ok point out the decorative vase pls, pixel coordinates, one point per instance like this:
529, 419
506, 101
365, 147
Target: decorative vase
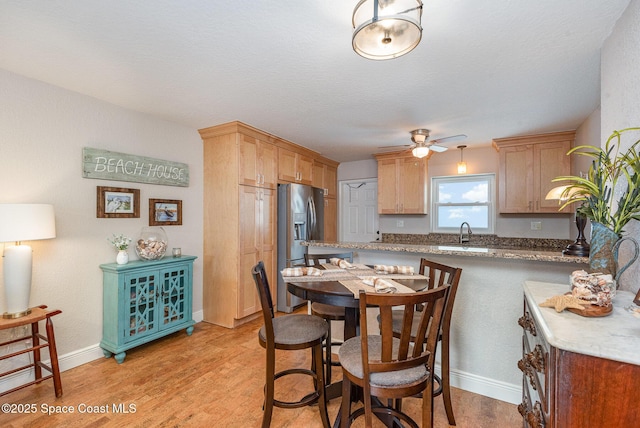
603, 256
152, 243
123, 257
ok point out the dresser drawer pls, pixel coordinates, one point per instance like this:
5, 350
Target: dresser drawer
534, 365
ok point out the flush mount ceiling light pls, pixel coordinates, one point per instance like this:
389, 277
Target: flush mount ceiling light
386, 29
462, 165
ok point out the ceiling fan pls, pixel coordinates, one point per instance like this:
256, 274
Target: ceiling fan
420, 147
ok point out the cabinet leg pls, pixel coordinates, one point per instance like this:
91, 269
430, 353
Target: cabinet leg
107, 354
189, 330
120, 357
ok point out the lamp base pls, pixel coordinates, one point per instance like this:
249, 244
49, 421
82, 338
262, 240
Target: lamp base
14, 315
579, 248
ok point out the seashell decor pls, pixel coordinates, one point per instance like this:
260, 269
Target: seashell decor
152, 243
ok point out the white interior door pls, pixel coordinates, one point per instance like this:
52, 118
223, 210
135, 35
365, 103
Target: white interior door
359, 210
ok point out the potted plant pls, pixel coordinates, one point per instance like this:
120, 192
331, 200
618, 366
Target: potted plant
611, 174
121, 243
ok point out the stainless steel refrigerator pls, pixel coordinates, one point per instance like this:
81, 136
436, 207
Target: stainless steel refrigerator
300, 218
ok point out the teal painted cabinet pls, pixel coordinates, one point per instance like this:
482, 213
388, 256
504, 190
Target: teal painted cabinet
143, 301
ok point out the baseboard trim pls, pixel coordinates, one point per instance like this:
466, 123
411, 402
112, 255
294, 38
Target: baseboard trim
492, 388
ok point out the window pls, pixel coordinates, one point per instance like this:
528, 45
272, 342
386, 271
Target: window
457, 199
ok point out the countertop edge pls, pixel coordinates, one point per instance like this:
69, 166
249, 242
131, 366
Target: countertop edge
614, 337
450, 250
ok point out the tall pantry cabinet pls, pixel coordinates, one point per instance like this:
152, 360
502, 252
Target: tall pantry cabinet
240, 179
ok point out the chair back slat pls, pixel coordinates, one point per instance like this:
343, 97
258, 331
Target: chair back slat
317, 259
403, 351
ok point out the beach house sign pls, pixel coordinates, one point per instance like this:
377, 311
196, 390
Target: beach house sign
106, 165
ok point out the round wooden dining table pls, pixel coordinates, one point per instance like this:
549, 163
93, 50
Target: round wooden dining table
335, 294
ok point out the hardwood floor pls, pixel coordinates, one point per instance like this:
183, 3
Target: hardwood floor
212, 379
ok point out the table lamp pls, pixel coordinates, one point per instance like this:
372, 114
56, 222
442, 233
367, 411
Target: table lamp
580, 247
22, 222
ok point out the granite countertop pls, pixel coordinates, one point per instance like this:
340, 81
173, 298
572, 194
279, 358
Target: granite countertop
614, 337
520, 253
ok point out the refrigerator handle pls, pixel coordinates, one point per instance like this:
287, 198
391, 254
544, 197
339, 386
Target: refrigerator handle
311, 219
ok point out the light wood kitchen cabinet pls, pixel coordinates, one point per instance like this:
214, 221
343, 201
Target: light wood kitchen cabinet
527, 166
239, 222
257, 242
326, 177
294, 167
331, 219
571, 379
402, 184
258, 163
241, 174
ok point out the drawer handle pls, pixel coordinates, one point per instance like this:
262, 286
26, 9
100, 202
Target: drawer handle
532, 362
527, 323
533, 417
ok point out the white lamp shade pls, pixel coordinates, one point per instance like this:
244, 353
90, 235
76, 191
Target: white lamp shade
26, 222
385, 29
22, 222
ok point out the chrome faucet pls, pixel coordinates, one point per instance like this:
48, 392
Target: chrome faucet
464, 239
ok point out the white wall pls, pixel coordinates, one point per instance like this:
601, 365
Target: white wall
42, 132
620, 101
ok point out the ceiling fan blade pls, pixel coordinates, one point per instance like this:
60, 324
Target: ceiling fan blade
438, 149
450, 138
395, 146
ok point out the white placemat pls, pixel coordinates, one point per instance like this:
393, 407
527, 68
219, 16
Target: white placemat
355, 285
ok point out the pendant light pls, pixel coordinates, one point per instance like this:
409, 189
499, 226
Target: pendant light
386, 29
462, 165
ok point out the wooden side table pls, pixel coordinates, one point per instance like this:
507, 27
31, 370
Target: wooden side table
38, 341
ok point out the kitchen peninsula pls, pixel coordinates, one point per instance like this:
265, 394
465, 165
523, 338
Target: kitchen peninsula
486, 341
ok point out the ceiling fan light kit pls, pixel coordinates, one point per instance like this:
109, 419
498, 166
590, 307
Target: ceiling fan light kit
386, 29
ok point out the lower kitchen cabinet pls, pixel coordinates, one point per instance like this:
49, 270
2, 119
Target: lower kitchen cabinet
145, 300
577, 371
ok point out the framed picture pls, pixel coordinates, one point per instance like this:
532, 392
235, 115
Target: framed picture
165, 212
117, 202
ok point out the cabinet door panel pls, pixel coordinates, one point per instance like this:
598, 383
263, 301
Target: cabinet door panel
330, 220
287, 165
174, 296
413, 186
268, 165
140, 295
247, 298
552, 161
387, 186
305, 169
516, 179
331, 181
248, 161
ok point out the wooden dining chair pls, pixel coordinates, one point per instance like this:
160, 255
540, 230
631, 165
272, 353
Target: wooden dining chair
439, 275
327, 312
290, 332
390, 368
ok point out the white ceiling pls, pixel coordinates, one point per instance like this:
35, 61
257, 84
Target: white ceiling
488, 69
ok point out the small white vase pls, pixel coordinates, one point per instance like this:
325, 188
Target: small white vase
123, 257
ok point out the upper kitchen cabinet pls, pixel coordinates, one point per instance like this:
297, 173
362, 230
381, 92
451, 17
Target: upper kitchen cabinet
527, 166
257, 162
402, 183
294, 166
325, 176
